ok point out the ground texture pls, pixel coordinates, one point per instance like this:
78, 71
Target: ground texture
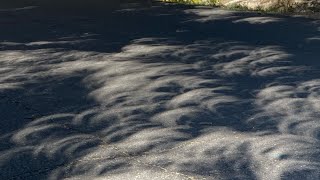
164, 92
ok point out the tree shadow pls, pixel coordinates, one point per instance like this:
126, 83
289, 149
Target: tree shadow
170, 92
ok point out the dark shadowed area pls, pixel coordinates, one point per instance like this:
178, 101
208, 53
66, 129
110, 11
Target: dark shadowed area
158, 91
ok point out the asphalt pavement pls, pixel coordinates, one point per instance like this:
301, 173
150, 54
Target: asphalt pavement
159, 92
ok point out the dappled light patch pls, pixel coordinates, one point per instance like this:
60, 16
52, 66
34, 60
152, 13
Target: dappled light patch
313, 39
157, 104
294, 106
258, 20
255, 62
211, 14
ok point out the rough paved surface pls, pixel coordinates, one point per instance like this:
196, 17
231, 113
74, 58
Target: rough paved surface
168, 92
